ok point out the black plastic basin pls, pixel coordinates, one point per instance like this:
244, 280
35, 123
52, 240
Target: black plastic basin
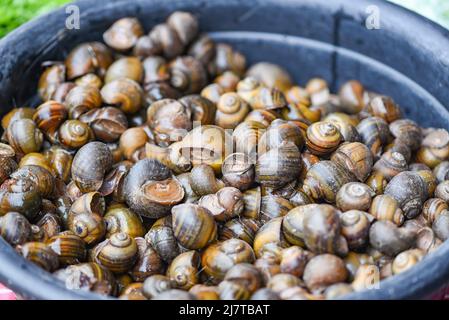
408, 59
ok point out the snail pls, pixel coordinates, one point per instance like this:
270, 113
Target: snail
386, 237
155, 285
60, 161
15, 228
434, 148
385, 207
228, 80
282, 281
383, 107
323, 271
70, 248
225, 204
231, 109
148, 261
375, 133
203, 292
121, 219
354, 195
24, 136
123, 93
352, 96
407, 132
218, 259
90, 165
294, 259
74, 134
53, 75
7, 161
203, 49
48, 118
150, 190
123, 34
161, 237
322, 138
187, 74
227, 59
270, 236
406, 260
184, 269
238, 171
193, 226
107, 123
259, 96
271, 75
390, 164
240, 228
127, 67
39, 254
354, 157
89, 57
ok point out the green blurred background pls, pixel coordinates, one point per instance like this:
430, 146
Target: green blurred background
15, 12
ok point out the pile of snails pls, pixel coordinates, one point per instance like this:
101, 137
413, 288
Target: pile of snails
127, 180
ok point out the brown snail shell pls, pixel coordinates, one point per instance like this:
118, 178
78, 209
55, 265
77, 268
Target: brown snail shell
231, 290
212, 92
282, 281
42, 179
170, 120
294, 260
410, 189
203, 292
231, 110
322, 138
123, 34
238, 171
227, 59
355, 228
170, 157
127, 67
265, 117
278, 132
278, 166
354, 157
167, 41
432, 208
123, 93
386, 237
377, 182
150, 190
259, 96
203, 110
434, 148
156, 284
74, 134
162, 239
203, 180
228, 80
337, 290
24, 136
193, 226
20, 195
406, 259
40, 254
352, 96
385, 207
240, 228
441, 171
118, 253
224, 205
70, 248
122, 219
90, 57
88, 276
79, 100
107, 123
187, 74
90, 164
15, 228
202, 49
324, 270
268, 236
354, 260
60, 162
408, 132
52, 76
442, 190
271, 75
148, 262
132, 140
183, 271
49, 116
390, 164
354, 195
17, 114
36, 159
375, 134
219, 258
273, 207
89, 80
321, 228
324, 179
247, 138
441, 226
7, 163
252, 200
185, 24
383, 107
366, 277
155, 69
51, 224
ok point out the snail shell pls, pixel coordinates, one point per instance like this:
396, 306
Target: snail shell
265, 117
132, 141
187, 74
269, 236
155, 285
352, 96
383, 107
322, 138
203, 49
90, 164
184, 270
408, 132
60, 161
240, 228
231, 110
24, 136
324, 179
82, 99
367, 276
228, 81
150, 190
122, 219
123, 34
127, 67
390, 164
355, 157
442, 190
377, 182
355, 228
21, 196
280, 131
278, 166
40, 177
386, 237
219, 258
203, 292
432, 208
231, 290
148, 261
70, 248
259, 96
441, 171
49, 116
434, 148
203, 110
407, 259
118, 253
384, 207
15, 228
40, 254
193, 226
74, 134
252, 200
354, 195
375, 134
265, 294
203, 180
107, 123
246, 137
294, 260
212, 92
273, 207
123, 93
271, 75
52, 76
90, 57
185, 24
227, 59
323, 271
162, 239
441, 226
226, 204
238, 171
7, 163
89, 80
88, 276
